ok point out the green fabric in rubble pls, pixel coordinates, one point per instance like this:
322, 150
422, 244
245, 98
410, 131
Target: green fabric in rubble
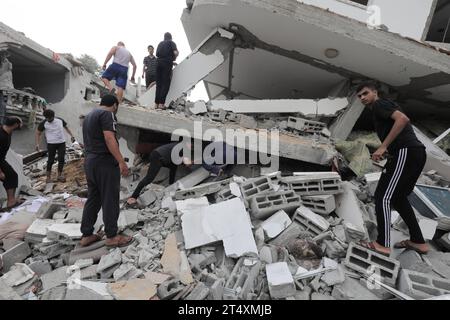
357, 152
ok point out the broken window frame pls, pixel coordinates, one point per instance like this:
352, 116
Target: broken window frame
436, 211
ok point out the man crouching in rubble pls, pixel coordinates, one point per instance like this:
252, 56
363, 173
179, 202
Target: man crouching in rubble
406, 160
103, 166
7, 174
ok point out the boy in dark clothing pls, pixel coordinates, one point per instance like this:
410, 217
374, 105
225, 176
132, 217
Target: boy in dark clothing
406, 160
8, 176
149, 71
167, 53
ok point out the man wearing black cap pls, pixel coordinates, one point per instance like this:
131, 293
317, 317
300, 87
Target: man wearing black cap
103, 166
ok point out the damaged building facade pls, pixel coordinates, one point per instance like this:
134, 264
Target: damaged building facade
287, 69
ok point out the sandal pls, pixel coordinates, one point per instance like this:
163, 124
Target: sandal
371, 246
87, 241
407, 244
119, 242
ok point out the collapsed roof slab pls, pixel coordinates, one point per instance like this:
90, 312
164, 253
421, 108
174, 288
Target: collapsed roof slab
304, 106
302, 33
291, 147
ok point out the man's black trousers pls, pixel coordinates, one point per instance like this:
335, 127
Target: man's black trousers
52, 149
103, 179
396, 184
11, 178
163, 79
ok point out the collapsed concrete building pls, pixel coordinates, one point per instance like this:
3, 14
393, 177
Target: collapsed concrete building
287, 69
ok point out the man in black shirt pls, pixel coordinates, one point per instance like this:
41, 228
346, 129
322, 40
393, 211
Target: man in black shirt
149, 72
167, 53
406, 160
103, 166
7, 174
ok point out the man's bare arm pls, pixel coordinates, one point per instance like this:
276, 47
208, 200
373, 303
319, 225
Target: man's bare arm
111, 53
38, 139
133, 63
70, 133
113, 147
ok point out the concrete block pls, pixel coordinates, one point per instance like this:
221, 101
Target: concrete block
55, 278
334, 277
199, 107
372, 180
18, 275
219, 116
126, 272
95, 251
242, 279
377, 290
292, 232
281, 282
428, 227
248, 122
84, 263
89, 273
147, 198
411, 260
65, 231
216, 290
54, 294
362, 260
191, 205
127, 219
40, 267
109, 272
47, 210
202, 190
422, 286
83, 294
310, 221
310, 185
227, 221
200, 292
276, 224
256, 187
169, 289
306, 126
263, 206
38, 230
224, 195
17, 254
7, 293
352, 289
202, 260
109, 260
193, 179
353, 234
323, 205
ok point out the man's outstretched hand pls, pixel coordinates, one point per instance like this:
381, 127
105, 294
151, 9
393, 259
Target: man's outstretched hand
379, 154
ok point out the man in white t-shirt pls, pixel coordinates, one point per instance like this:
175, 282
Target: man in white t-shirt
56, 141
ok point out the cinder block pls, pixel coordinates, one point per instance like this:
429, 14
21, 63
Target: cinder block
219, 116
311, 186
256, 187
263, 206
16, 254
363, 260
202, 190
306, 126
169, 289
323, 205
422, 286
224, 195
276, 224
281, 282
242, 280
47, 210
310, 221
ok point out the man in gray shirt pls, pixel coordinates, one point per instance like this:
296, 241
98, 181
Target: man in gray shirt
103, 166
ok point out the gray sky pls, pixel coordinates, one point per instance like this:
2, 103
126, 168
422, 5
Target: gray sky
94, 26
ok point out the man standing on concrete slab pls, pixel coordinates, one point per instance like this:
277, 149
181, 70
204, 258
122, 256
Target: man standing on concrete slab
406, 159
118, 70
103, 166
167, 53
150, 64
56, 141
161, 157
8, 176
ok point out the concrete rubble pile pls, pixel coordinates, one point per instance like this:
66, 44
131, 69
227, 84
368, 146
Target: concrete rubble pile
250, 237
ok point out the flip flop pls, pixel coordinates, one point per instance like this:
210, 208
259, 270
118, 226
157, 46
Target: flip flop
406, 244
371, 246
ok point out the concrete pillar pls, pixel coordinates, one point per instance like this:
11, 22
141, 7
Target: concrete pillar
344, 125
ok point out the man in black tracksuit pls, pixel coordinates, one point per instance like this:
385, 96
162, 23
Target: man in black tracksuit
103, 166
167, 53
8, 176
406, 160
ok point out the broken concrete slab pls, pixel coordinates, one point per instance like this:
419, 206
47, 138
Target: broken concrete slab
7, 293
38, 230
174, 262
310, 221
276, 224
147, 198
83, 294
112, 259
344, 125
17, 275
47, 210
334, 277
95, 251
281, 282
352, 289
198, 107
169, 289
191, 205
241, 281
157, 278
127, 219
136, 289
411, 260
40, 267
292, 232
67, 230
17, 254
227, 221
84, 263
192, 179
54, 278
348, 208
200, 292
303, 106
